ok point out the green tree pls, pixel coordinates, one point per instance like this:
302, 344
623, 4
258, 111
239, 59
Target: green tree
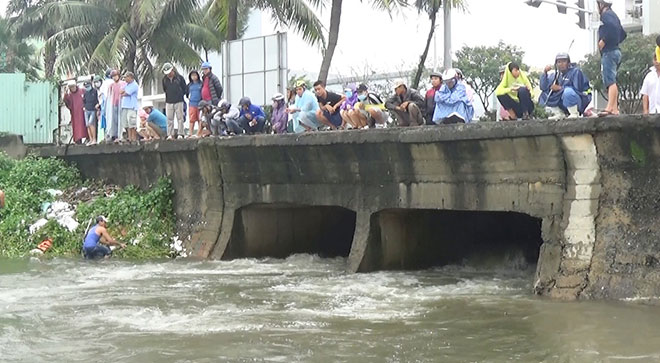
127, 34
16, 54
431, 8
637, 58
209, 30
298, 14
481, 67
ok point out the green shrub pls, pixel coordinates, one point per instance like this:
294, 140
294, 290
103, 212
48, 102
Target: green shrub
145, 217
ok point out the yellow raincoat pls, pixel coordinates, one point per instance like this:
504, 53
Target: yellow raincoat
509, 82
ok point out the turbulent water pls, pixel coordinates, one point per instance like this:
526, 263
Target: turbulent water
303, 309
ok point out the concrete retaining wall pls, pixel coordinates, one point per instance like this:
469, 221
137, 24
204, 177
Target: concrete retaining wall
589, 182
12, 145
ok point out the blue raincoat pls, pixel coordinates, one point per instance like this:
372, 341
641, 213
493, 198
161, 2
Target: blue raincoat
574, 80
452, 100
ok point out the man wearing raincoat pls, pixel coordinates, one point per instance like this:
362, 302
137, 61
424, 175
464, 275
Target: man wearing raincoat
452, 104
566, 91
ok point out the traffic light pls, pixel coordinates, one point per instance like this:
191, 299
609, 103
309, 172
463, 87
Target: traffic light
582, 15
534, 3
561, 9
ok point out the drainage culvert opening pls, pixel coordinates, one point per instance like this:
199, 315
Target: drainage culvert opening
407, 239
275, 230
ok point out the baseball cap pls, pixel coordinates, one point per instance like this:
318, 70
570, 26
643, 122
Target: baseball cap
167, 68
399, 83
100, 219
206, 65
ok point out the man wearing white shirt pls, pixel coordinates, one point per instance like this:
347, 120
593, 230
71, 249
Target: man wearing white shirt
651, 90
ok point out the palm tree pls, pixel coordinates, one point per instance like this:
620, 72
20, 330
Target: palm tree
134, 35
210, 28
16, 55
431, 8
298, 14
30, 21
333, 32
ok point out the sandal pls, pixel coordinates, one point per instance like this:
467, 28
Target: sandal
606, 113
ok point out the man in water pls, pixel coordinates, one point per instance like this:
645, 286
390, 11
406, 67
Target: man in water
98, 240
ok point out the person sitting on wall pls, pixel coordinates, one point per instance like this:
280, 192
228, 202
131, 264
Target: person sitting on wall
515, 93
329, 104
98, 241
436, 83
253, 118
407, 104
230, 116
155, 124
279, 117
209, 119
566, 91
348, 105
370, 109
452, 104
304, 109
222, 119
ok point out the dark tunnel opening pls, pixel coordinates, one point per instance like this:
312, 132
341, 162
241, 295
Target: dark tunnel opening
408, 239
282, 230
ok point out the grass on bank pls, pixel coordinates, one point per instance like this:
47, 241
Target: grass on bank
142, 219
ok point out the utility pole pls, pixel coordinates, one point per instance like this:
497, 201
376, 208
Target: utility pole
447, 61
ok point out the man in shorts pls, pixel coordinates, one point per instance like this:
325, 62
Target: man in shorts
370, 109
329, 103
129, 107
610, 35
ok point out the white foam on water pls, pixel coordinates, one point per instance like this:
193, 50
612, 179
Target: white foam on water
295, 309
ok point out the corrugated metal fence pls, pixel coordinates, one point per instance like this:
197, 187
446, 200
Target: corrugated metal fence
28, 108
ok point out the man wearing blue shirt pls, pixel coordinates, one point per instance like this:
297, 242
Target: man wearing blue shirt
156, 122
610, 35
129, 107
253, 118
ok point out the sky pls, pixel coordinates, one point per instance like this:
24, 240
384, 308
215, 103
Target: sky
370, 40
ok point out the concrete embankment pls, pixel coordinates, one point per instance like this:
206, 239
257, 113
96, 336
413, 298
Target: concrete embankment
13, 146
579, 197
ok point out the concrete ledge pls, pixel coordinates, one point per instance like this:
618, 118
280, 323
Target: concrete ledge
13, 146
589, 183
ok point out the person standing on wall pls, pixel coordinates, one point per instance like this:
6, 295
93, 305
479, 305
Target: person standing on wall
175, 88
91, 104
74, 102
113, 107
129, 107
211, 87
610, 35
194, 92
651, 89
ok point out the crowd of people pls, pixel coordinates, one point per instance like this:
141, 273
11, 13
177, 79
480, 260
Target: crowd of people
564, 90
